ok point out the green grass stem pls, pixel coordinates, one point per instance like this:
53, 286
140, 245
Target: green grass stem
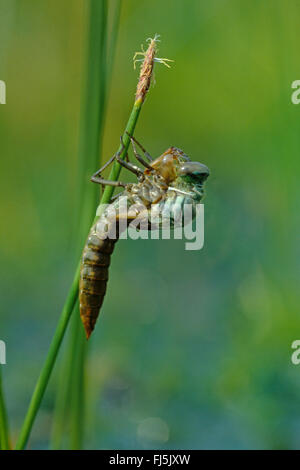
47, 368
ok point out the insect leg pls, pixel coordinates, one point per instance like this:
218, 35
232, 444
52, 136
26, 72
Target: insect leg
138, 157
126, 162
97, 178
105, 165
150, 159
116, 196
129, 166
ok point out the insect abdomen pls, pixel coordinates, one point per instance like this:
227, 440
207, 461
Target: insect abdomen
93, 278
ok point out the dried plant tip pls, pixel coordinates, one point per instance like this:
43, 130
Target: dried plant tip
148, 59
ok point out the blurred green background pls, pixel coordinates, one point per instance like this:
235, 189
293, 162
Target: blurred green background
193, 348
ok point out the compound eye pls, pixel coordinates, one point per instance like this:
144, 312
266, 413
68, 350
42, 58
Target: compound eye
199, 177
195, 169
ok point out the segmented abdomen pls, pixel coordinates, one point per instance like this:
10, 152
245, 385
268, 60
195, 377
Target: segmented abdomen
93, 278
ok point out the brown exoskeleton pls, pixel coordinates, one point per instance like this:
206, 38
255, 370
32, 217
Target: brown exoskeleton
171, 180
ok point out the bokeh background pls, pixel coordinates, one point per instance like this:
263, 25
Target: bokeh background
193, 348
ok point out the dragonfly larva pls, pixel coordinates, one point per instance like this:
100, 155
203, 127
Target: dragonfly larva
170, 181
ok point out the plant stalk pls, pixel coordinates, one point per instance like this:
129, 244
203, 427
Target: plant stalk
49, 363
